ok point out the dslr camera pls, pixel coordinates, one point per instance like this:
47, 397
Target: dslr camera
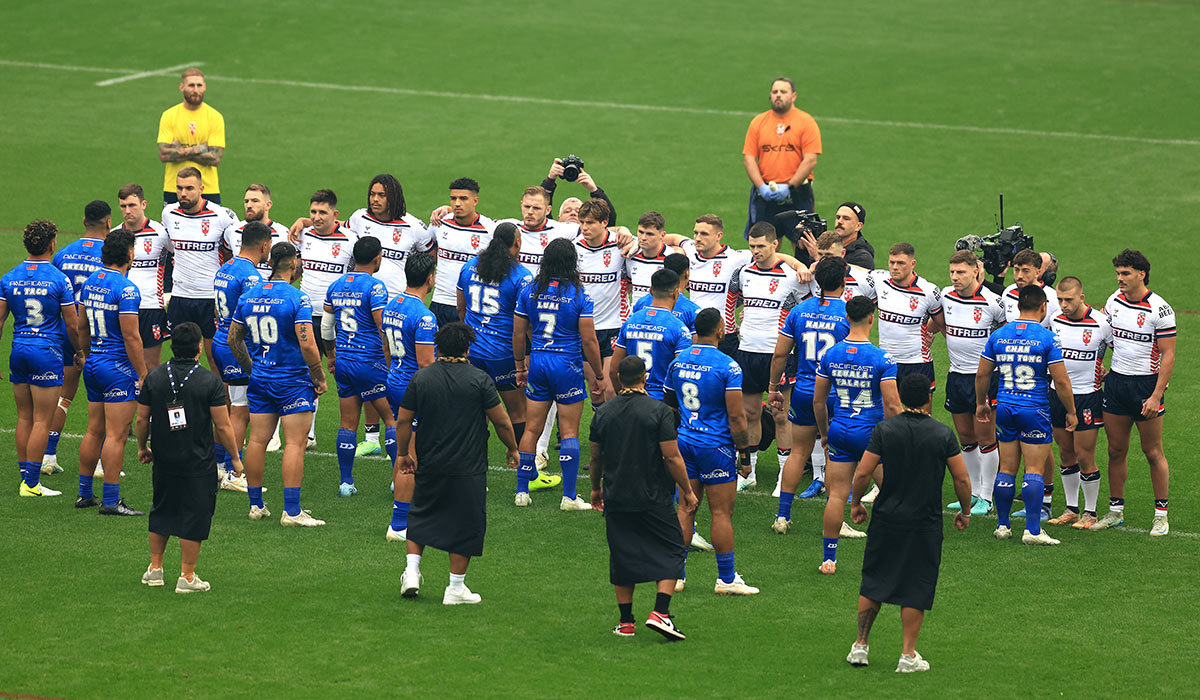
572, 165
997, 249
793, 224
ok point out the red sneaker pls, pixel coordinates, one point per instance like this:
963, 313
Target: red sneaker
624, 629
665, 625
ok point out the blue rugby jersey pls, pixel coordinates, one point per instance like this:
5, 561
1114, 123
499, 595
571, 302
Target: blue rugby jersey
656, 335
234, 279
490, 309
700, 376
407, 323
1023, 352
554, 316
36, 291
105, 297
685, 309
79, 259
355, 297
855, 369
815, 325
270, 313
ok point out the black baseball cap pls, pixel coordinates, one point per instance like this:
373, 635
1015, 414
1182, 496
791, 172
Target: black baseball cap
857, 209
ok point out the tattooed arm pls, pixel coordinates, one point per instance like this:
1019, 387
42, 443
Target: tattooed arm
237, 345
203, 154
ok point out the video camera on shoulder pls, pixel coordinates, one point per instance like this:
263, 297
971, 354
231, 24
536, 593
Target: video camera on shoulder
572, 165
998, 249
795, 223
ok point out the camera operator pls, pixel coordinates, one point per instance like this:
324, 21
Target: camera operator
571, 170
806, 228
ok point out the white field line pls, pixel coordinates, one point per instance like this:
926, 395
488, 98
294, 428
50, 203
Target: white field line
147, 74
521, 99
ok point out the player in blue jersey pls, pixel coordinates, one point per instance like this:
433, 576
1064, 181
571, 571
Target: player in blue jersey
654, 334
77, 260
285, 380
42, 302
359, 356
705, 385
859, 380
685, 309
233, 279
409, 327
1027, 356
114, 367
554, 317
813, 326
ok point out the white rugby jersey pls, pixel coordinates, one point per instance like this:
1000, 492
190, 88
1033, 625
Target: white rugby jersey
1011, 295
767, 296
602, 270
640, 267
456, 246
713, 282
534, 241
969, 322
150, 247
902, 314
1136, 328
279, 234
196, 238
325, 259
856, 284
398, 238
1083, 344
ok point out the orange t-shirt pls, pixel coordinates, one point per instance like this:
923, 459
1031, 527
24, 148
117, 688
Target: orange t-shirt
780, 143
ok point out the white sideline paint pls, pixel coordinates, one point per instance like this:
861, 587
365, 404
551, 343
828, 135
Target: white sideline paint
127, 74
147, 74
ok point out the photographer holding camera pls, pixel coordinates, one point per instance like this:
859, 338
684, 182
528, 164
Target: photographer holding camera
780, 152
803, 228
571, 170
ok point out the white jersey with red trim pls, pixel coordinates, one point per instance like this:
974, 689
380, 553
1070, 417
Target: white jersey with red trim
713, 282
534, 241
325, 259
1137, 327
640, 267
856, 284
1011, 295
150, 246
1083, 344
457, 245
398, 238
903, 310
196, 239
767, 296
279, 234
969, 322
602, 270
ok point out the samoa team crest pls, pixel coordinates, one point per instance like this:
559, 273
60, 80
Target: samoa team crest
912, 303
337, 248
716, 268
1087, 337
474, 241
978, 315
774, 285
607, 258
204, 227
1141, 320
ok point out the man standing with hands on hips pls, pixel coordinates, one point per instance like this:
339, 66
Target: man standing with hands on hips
780, 152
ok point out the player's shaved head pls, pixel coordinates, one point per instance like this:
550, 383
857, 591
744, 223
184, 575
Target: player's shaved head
859, 309
282, 256
255, 234
708, 322
1070, 284
631, 371
663, 283
366, 249
1031, 297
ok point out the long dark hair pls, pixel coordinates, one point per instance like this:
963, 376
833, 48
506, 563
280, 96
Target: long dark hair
394, 192
560, 263
496, 262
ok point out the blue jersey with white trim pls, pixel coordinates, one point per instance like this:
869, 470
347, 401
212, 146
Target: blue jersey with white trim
106, 296
685, 309
36, 292
554, 316
407, 323
79, 259
657, 336
270, 313
490, 309
1023, 352
815, 325
700, 376
233, 280
855, 369
355, 297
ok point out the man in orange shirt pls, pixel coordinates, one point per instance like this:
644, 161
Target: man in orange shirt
781, 149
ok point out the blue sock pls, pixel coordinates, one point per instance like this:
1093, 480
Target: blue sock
222, 456
31, 473
85, 487
291, 501
1032, 489
255, 493
347, 441
389, 443
1004, 491
112, 494
399, 515
785, 505
830, 548
568, 460
52, 443
725, 566
526, 472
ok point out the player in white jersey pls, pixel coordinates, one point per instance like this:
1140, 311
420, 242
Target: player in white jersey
326, 249
652, 249
197, 229
256, 205
1143, 330
1027, 270
1084, 334
150, 245
602, 271
829, 245
970, 312
386, 218
459, 238
905, 301
537, 229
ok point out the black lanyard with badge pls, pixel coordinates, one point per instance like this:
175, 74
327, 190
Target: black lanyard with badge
176, 415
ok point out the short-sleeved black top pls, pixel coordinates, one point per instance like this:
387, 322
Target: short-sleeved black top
913, 448
628, 430
189, 451
451, 400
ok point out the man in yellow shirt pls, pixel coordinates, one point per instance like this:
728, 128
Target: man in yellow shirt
191, 134
780, 152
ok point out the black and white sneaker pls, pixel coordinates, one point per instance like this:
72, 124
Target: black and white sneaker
665, 625
119, 509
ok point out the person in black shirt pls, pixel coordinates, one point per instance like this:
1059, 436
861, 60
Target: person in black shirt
904, 539
180, 404
450, 398
635, 468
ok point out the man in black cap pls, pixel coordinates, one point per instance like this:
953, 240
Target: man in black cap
848, 223
179, 405
636, 458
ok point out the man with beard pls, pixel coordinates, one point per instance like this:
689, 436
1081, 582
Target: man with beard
780, 152
191, 133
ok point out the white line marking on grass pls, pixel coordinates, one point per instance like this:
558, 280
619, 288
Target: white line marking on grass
522, 99
147, 74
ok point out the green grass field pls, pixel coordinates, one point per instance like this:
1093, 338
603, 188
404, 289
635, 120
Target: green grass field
1081, 113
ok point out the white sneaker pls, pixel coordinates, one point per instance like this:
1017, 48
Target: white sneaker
153, 577
193, 586
397, 535
781, 525
869, 498
522, 499
462, 596
699, 543
735, 587
302, 519
571, 504
275, 444
850, 533
50, 465
233, 483
1160, 526
1040, 538
540, 460
858, 655
912, 664
680, 584
410, 583
746, 482
311, 444
1003, 532
38, 490
257, 513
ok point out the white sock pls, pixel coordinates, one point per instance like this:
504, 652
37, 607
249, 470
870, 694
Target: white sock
374, 437
543, 443
971, 459
989, 465
312, 429
753, 466
456, 581
1091, 490
413, 563
1070, 484
818, 460
276, 436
